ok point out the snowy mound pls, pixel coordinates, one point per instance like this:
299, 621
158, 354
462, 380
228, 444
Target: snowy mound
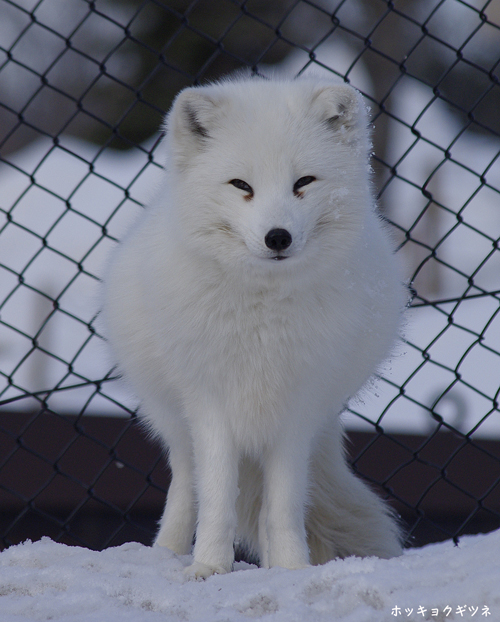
49, 581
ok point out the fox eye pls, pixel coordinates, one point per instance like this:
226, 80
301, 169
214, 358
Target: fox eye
303, 181
241, 185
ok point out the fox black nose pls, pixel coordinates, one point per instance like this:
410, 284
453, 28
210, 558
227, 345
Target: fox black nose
278, 239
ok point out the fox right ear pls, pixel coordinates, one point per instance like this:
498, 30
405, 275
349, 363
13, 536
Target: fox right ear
189, 123
339, 106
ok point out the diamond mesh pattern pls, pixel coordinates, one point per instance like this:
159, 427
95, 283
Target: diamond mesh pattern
83, 87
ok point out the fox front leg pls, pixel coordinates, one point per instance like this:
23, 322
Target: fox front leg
216, 468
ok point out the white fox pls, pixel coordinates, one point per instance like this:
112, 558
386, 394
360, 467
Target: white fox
255, 295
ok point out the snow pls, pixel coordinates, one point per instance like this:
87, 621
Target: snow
49, 581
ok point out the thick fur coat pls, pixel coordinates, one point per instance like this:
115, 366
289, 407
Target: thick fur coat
257, 293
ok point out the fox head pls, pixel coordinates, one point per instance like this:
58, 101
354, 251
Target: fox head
269, 172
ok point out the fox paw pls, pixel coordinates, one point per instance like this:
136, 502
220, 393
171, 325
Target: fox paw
197, 570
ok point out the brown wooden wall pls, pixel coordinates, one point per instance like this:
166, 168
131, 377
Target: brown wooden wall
58, 474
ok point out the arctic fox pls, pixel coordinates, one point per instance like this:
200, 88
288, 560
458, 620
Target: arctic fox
255, 295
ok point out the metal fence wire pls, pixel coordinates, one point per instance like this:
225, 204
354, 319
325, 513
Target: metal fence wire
83, 88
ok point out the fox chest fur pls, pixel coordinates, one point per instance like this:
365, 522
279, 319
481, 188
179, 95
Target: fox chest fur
252, 349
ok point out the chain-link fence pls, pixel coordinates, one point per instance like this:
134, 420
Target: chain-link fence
83, 88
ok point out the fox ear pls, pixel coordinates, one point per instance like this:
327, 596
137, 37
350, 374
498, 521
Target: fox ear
339, 106
189, 123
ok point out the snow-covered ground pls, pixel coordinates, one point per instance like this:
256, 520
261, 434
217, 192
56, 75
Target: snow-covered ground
48, 581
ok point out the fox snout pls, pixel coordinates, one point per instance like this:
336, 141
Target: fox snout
278, 239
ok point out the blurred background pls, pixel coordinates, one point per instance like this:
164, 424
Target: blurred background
84, 86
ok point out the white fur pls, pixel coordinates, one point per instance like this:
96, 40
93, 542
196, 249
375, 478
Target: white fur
242, 362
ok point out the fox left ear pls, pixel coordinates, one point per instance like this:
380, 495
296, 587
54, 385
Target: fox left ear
339, 106
196, 111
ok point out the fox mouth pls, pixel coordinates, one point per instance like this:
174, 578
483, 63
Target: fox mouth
279, 257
